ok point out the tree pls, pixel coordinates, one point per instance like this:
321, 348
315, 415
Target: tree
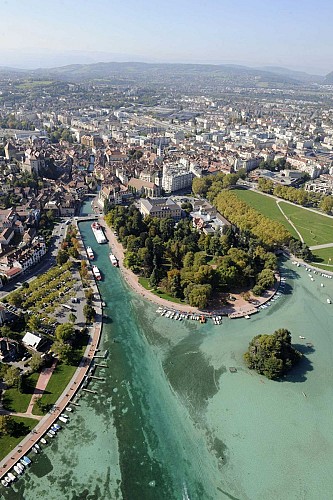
89, 313
64, 332
34, 322
12, 377
272, 355
326, 204
154, 278
197, 295
72, 317
62, 257
62, 350
36, 362
7, 425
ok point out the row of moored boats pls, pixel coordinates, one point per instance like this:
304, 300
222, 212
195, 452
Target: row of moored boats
25, 461
179, 316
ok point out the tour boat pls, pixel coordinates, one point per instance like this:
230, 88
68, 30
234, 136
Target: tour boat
90, 253
114, 260
98, 232
96, 273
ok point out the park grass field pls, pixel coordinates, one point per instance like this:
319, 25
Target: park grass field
324, 256
315, 228
23, 426
266, 206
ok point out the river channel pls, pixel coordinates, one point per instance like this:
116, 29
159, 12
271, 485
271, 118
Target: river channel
170, 421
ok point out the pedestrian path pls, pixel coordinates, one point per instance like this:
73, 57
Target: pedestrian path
42, 382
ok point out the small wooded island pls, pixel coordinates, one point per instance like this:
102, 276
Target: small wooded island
272, 355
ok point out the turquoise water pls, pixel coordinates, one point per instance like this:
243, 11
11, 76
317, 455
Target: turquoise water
171, 421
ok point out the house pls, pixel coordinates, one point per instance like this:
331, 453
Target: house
8, 348
33, 341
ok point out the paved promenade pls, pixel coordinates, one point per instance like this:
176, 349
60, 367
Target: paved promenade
67, 396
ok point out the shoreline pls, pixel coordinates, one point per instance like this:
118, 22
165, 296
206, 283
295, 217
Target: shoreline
71, 390
239, 309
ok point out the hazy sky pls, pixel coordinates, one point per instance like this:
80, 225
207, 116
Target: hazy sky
292, 33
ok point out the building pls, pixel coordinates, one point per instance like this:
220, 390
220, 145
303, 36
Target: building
176, 177
162, 208
141, 187
33, 341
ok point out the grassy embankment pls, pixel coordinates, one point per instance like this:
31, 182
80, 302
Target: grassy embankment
17, 401
23, 427
145, 283
316, 229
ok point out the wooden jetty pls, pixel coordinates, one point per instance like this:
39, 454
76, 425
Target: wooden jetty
97, 378
89, 390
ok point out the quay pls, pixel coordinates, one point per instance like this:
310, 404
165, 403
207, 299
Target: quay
75, 384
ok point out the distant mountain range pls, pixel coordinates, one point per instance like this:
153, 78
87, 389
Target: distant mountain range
159, 72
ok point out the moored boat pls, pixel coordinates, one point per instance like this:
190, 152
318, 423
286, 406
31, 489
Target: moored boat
90, 253
98, 232
113, 259
96, 273
11, 476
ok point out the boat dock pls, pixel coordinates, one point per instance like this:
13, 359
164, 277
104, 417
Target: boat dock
89, 390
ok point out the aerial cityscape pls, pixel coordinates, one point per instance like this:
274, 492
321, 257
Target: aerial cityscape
166, 251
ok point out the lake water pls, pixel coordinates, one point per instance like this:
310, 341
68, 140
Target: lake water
171, 422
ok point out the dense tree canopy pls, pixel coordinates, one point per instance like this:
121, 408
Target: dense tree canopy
269, 232
187, 264
272, 355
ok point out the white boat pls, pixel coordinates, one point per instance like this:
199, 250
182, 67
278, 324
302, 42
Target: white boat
113, 259
53, 433
68, 407
34, 449
301, 337
63, 419
98, 232
90, 253
50, 435
96, 273
37, 446
328, 301
11, 476
17, 470
4, 482
20, 467
247, 316
43, 440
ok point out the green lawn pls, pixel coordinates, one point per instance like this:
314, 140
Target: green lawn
324, 255
145, 283
17, 401
315, 228
265, 205
57, 383
23, 427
